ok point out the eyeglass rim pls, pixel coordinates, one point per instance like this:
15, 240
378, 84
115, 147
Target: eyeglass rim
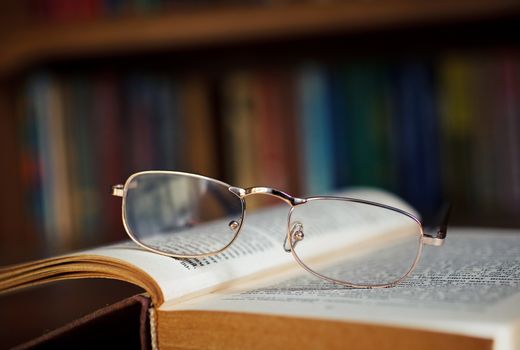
167, 172
360, 201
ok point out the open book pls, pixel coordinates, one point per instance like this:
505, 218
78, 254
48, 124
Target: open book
254, 295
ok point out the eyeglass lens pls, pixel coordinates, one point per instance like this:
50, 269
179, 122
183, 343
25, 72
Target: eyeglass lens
357, 251
181, 214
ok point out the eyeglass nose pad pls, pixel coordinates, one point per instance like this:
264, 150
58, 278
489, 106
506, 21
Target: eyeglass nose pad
234, 225
296, 234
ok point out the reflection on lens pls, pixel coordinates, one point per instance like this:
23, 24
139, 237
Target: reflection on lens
181, 214
352, 242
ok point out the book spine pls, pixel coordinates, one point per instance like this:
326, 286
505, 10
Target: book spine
456, 86
239, 121
509, 129
139, 114
41, 106
483, 162
340, 130
416, 139
199, 123
31, 162
315, 116
85, 144
60, 180
368, 125
271, 132
109, 151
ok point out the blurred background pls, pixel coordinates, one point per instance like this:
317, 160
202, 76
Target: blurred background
418, 98
421, 98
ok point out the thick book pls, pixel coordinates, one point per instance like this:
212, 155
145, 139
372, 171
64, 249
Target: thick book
464, 295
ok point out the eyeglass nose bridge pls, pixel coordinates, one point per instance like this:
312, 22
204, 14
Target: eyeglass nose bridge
287, 198
296, 231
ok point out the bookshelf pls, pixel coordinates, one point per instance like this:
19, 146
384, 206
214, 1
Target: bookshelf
219, 25
232, 35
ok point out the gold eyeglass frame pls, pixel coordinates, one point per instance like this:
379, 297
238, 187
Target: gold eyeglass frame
436, 239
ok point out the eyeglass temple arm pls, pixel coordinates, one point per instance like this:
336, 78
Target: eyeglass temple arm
437, 238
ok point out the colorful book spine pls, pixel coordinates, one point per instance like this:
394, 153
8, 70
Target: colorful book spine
340, 131
368, 124
109, 151
508, 64
239, 121
166, 123
31, 157
199, 127
315, 130
416, 136
456, 82
47, 126
484, 179
139, 114
83, 144
271, 133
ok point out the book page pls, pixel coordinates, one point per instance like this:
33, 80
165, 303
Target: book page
471, 285
257, 250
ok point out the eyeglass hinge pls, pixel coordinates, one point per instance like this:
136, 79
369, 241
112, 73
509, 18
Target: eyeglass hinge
434, 241
118, 190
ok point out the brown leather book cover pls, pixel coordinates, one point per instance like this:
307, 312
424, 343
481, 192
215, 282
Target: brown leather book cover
125, 324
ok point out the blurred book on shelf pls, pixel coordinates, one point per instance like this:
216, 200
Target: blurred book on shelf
425, 128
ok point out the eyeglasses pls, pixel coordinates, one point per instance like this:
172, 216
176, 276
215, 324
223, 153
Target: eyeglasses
186, 215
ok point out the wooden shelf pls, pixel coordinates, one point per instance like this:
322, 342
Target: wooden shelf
187, 29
